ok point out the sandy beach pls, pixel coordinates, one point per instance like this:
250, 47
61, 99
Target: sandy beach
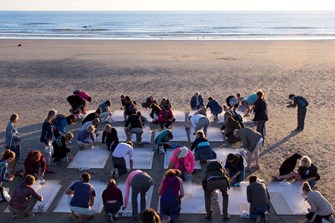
40, 74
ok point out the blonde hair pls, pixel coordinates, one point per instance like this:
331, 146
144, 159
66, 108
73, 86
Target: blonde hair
90, 128
305, 161
200, 133
108, 127
111, 182
69, 135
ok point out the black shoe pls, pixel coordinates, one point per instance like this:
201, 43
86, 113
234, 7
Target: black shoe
28, 216
208, 218
226, 218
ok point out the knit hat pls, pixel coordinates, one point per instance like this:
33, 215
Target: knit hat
183, 152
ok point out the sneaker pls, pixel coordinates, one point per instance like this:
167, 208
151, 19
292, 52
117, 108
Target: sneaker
28, 216
110, 217
116, 173
75, 218
226, 218
166, 219
258, 218
324, 220
332, 219
266, 217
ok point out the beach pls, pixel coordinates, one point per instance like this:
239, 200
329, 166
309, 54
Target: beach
39, 75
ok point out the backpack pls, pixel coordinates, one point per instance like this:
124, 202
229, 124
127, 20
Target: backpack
58, 120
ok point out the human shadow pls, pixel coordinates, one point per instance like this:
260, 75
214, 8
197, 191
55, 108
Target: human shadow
279, 143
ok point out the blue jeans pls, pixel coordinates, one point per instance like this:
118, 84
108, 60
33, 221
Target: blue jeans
186, 176
312, 183
260, 210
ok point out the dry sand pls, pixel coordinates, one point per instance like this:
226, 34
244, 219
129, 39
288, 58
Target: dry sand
40, 75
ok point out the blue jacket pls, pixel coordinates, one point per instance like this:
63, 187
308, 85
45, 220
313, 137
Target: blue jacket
214, 106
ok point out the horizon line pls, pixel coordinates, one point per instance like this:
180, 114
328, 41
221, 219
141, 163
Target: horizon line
4, 10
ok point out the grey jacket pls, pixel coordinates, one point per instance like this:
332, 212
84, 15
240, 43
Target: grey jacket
319, 204
250, 138
257, 195
12, 137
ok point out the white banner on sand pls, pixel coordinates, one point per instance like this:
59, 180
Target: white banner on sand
48, 190
90, 158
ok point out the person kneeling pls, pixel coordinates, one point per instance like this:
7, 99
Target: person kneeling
83, 198
112, 199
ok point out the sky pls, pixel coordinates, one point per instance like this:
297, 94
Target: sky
167, 5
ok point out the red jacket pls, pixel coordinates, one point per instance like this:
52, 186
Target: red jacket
165, 115
32, 166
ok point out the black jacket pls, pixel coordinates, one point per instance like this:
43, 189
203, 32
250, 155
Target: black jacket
261, 112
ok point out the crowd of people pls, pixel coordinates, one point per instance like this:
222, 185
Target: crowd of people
55, 138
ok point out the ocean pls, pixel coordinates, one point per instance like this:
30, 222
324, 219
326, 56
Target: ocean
167, 25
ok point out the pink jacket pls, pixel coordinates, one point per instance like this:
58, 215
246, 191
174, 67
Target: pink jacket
188, 160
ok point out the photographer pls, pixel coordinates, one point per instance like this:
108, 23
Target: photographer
302, 104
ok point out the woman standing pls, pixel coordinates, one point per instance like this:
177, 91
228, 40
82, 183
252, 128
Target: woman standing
171, 191
46, 134
12, 142
261, 113
320, 207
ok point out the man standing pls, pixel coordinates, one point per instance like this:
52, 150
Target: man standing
259, 199
302, 104
118, 158
216, 178
83, 198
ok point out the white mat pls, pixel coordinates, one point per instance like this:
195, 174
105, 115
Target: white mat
168, 155
222, 153
193, 202
129, 209
214, 134
179, 115
143, 159
90, 158
63, 207
287, 198
117, 116
179, 134
238, 202
146, 136
48, 190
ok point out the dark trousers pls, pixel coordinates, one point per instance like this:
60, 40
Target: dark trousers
112, 208
222, 185
261, 127
120, 164
140, 184
111, 147
318, 218
301, 118
167, 124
